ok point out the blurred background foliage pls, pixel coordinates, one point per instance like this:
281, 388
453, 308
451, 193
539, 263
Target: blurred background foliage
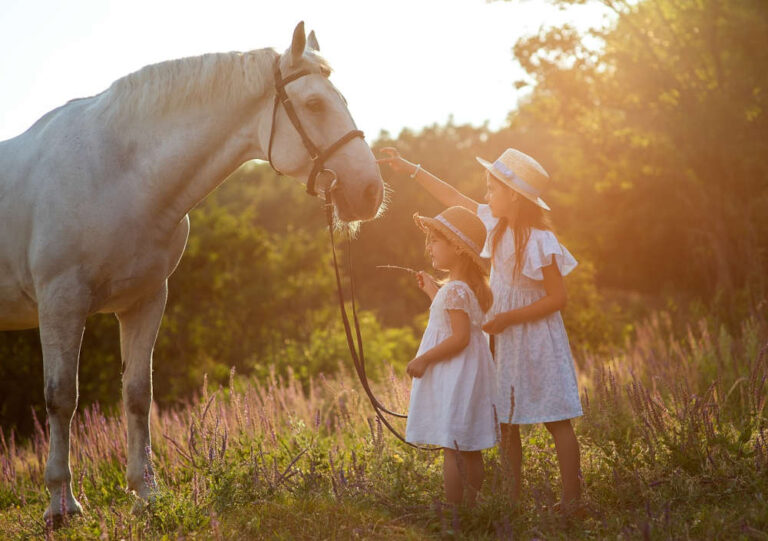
654, 130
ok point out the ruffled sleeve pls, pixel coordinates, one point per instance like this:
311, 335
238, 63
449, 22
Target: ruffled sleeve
543, 247
459, 296
489, 221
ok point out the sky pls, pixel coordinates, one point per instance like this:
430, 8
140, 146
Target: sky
399, 63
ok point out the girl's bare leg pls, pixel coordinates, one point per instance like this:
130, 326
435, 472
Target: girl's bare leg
475, 471
513, 450
462, 470
567, 447
454, 486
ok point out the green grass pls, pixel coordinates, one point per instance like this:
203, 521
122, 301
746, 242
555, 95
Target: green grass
674, 445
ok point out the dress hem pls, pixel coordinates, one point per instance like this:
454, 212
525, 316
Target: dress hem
545, 420
453, 447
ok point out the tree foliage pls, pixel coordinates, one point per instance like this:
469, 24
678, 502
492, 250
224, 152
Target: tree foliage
655, 133
659, 133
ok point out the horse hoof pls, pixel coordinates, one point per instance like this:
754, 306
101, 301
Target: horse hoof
143, 499
56, 518
139, 506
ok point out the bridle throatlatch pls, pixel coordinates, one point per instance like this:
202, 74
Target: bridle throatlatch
318, 158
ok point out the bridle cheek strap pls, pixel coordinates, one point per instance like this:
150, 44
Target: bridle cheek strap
317, 156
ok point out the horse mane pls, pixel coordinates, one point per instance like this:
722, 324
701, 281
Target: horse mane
157, 89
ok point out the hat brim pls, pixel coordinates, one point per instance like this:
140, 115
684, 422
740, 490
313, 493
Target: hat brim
426, 223
489, 166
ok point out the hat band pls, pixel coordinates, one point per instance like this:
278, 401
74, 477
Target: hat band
458, 233
513, 178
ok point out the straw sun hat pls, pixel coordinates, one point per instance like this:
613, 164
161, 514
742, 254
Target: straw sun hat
462, 228
521, 173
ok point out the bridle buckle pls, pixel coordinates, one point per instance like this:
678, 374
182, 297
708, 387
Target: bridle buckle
334, 181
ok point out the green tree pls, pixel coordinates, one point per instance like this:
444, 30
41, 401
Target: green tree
660, 132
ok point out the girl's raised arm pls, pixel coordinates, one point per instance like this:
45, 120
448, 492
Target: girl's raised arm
440, 190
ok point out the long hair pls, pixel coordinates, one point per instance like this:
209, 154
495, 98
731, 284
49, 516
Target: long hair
528, 215
475, 277
477, 280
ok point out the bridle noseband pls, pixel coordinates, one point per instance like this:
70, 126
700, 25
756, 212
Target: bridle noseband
317, 156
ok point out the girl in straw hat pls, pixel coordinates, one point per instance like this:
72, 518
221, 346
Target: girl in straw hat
451, 401
535, 378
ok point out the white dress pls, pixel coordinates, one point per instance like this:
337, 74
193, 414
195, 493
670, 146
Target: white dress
452, 403
534, 366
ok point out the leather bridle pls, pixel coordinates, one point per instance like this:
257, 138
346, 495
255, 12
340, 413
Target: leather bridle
317, 156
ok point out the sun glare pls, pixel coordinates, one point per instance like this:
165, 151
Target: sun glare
405, 64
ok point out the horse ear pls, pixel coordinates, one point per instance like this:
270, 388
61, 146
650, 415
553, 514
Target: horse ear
299, 42
312, 41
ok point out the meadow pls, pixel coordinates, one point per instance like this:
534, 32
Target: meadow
674, 445
654, 131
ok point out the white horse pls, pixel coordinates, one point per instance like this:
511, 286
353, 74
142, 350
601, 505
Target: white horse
94, 200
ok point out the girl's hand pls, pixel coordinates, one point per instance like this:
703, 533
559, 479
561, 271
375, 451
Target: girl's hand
498, 323
396, 162
417, 367
427, 283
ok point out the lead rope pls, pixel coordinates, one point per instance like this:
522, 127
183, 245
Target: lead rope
356, 350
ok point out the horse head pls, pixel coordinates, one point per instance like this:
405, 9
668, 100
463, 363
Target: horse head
313, 136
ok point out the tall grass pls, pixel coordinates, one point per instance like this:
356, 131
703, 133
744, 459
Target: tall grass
673, 444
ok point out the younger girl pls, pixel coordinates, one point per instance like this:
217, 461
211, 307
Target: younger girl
451, 396
536, 381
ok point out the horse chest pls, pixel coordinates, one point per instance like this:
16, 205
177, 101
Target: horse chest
135, 273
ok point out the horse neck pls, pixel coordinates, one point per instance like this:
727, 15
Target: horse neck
193, 158
187, 151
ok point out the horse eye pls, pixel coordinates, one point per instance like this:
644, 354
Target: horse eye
316, 106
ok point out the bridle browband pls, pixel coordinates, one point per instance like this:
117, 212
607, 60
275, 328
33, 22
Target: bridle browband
317, 156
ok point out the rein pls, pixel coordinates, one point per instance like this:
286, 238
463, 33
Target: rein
356, 350
318, 158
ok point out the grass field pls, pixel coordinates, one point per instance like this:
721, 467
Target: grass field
674, 445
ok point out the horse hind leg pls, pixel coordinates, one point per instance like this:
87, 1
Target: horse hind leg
62, 322
138, 331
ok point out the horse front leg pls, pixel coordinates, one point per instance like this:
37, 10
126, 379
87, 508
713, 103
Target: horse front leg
62, 322
138, 331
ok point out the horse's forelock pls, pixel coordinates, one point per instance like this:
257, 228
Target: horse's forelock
311, 61
320, 61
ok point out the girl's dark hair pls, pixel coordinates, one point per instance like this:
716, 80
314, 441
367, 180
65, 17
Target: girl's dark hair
529, 215
476, 277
